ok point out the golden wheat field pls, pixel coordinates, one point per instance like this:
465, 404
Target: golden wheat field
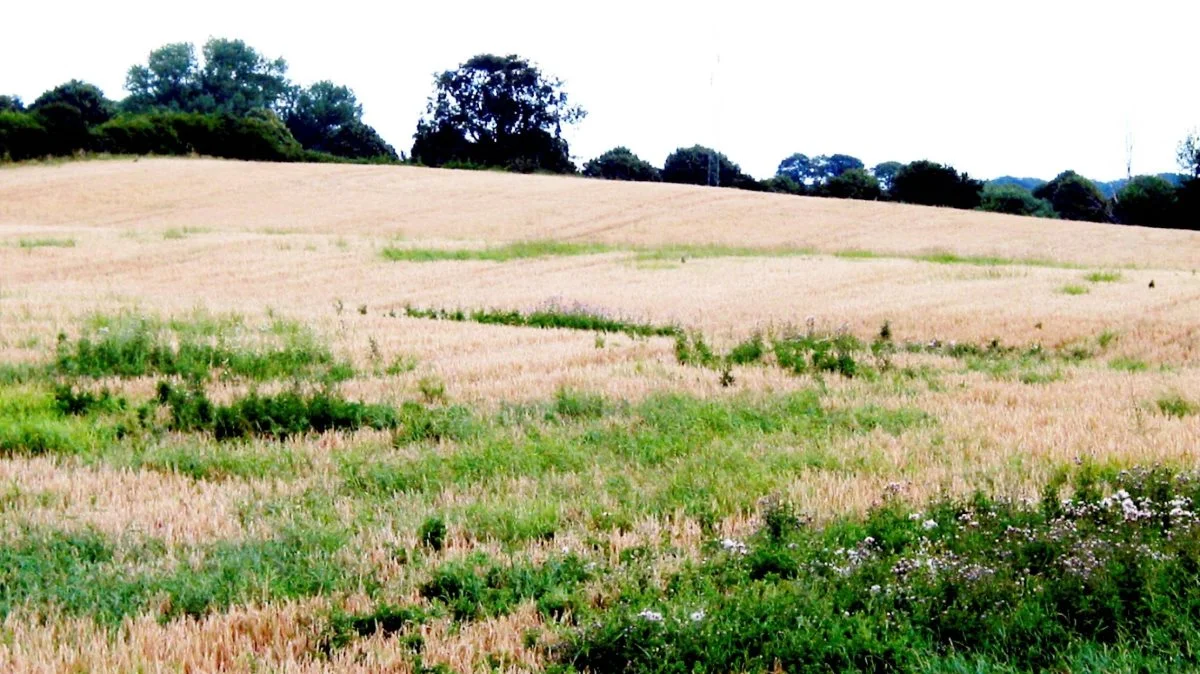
1013, 347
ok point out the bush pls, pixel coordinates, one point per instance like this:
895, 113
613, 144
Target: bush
853, 183
22, 136
930, 184
1014, 200
621, 164
1146, 200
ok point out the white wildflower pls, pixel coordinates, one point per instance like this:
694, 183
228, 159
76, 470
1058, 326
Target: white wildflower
730, 545
929, 524
697, 616
652, 616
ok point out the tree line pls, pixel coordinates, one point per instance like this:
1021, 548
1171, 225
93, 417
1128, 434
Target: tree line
227, 101
503, 112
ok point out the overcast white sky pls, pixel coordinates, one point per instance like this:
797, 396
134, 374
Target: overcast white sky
1023, 87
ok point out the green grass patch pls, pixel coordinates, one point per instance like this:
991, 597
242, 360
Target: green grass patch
1074, 289
1176, 406
1102, 276
1126, 364
717, 452
221, 461
133, 346
35, 421
87, 574
46, 243
519, 250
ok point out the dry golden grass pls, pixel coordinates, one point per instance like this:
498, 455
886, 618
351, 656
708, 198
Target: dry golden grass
167, 237
384, 202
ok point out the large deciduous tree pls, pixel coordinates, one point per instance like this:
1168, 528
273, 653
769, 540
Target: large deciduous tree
231, 78
932, 184
690, 166
1074, 198
816, 170
1146, 200
497, 111
170, 80
885, 173
328, 118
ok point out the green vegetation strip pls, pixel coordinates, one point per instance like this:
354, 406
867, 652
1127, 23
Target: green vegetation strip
521, 250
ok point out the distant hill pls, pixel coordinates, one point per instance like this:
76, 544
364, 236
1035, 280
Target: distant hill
1108, 189
1030, 184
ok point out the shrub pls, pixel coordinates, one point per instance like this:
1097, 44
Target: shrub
433, 533
621, 164
22, 136
1014, 200
854, 183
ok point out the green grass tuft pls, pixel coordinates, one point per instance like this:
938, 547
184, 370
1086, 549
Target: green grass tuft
1102, 276
46, 243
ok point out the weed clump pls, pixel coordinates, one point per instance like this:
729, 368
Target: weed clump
137, 347
275, 416
478, 587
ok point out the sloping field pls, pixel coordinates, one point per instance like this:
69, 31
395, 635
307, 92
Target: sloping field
424, 204
307, 418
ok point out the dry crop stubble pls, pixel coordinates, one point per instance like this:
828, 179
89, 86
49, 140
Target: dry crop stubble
166, 238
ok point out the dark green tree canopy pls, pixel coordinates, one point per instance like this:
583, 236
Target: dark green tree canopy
93, 107
328, 118
781, 184
620, 163
690, 166
237, 79
233, 78
798, 167
854, 183
931, 184
1187, 208
11, 104
1146, 200
170, 80
885, 173
497, 111
816, 170
826, 167
1074, 198
1014, 200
